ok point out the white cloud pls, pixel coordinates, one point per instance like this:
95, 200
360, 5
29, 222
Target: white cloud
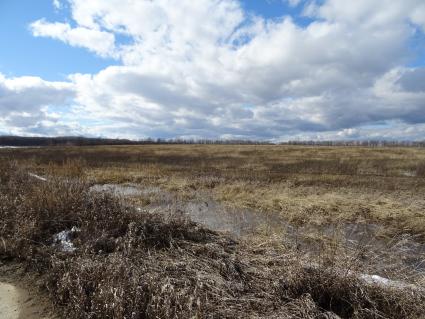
207, 68
31, 93
418, 16
25, 102
294, 3
395, 130
57, 4
100, 42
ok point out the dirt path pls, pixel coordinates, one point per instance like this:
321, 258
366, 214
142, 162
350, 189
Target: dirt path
10, 300
16, 303
18, 297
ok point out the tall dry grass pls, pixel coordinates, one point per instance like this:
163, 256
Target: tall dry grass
130, 264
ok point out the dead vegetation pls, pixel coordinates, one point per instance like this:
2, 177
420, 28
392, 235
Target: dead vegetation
303, 184
131, 264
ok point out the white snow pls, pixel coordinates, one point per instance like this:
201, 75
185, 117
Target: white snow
38, 177
375, 280
63, 239
19, 146
409, 173
381, 281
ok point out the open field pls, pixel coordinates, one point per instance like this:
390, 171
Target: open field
280, 232
303, 184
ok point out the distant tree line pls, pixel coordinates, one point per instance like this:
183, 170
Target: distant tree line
59, 141
363, 143
88, 141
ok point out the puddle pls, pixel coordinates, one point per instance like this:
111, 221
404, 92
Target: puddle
125, 190
399, 255
213, 215
382, 254
202, 210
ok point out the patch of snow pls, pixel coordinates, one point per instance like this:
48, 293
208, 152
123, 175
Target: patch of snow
4, 146
375, 279
371, 279
409, 173
385, 282
64, 239
43, 179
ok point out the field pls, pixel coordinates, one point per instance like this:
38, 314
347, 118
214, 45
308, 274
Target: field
219, 231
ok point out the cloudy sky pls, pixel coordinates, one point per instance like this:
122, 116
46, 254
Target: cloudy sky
257, 69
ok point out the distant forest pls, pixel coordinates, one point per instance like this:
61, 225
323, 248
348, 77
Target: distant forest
87, 141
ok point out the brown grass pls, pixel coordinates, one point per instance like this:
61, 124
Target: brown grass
130, 264
303, 184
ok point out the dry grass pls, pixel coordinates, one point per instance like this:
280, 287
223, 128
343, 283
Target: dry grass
133, 264
129, 264
303, 184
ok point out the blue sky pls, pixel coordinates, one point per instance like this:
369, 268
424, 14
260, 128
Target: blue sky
323, 69
25, 54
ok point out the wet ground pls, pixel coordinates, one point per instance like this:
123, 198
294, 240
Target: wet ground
400, 256
200, 208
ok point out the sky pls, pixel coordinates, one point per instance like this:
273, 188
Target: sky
272, 70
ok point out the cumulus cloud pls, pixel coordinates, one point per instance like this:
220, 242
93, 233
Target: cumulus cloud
207, 68
392, 131
25, 102
100, 42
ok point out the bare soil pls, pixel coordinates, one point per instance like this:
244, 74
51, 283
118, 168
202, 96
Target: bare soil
19, 299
